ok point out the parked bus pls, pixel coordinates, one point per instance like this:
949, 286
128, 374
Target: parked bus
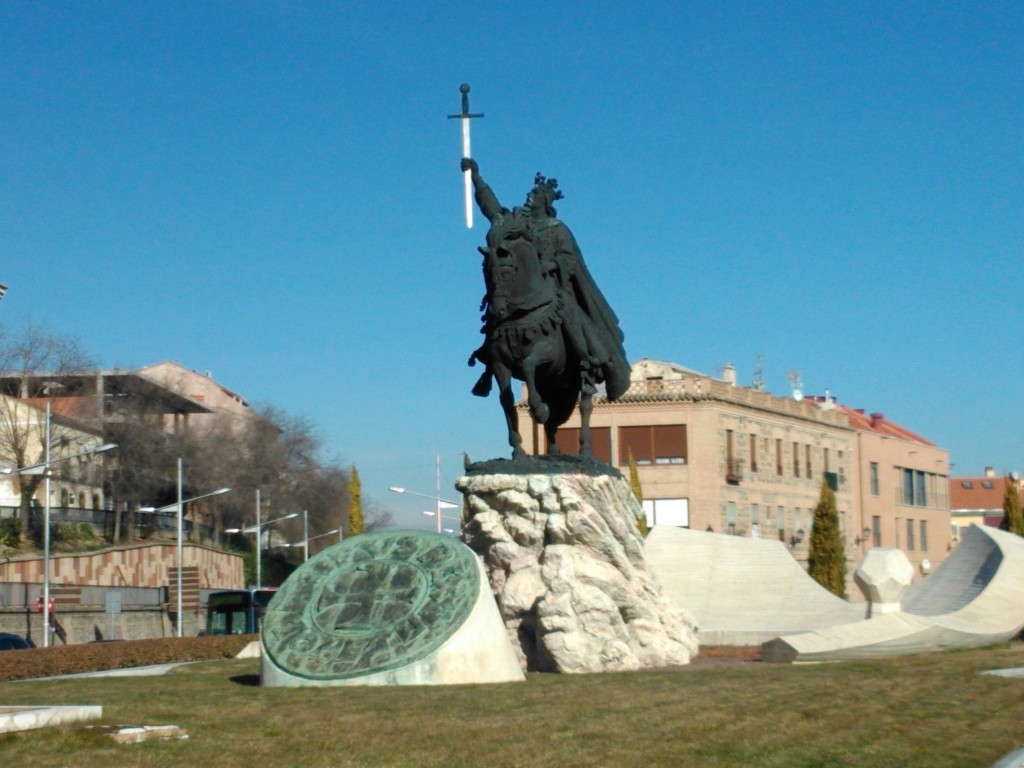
237, 611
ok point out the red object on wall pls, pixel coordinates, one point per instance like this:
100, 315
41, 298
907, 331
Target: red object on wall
39, 605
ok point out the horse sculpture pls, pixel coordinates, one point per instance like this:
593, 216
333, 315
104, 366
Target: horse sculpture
545, 321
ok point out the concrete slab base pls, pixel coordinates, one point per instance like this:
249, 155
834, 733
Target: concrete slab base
27, 718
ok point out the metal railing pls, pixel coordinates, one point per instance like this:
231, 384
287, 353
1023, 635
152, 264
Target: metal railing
147, 524
25, 594
932, 500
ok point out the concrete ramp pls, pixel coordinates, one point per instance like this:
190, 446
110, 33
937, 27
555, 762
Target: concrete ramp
974, 598
741, 591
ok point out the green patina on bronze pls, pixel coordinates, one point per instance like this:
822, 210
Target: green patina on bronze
372, 603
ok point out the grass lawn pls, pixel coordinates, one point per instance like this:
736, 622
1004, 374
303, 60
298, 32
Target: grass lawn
933, 710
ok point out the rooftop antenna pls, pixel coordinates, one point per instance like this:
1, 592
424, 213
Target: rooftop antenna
796, 383
758, 382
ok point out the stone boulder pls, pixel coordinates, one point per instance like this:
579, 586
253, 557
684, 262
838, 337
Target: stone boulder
566, 564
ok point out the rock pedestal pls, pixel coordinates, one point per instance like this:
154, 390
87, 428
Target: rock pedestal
566, 563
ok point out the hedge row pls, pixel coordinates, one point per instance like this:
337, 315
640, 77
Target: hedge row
94, 657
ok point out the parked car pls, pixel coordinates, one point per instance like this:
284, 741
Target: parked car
9, 642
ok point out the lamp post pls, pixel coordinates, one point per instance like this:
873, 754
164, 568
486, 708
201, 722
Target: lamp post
179, 506
258, 530
439, 503
44, 470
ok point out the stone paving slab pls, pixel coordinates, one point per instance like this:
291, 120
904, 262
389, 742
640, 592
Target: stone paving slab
135, 734
1012, 760
29, 717
1012, 672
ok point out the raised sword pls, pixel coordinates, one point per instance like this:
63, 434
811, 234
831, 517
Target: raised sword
467, 175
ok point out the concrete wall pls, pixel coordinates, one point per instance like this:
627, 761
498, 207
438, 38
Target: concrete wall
86, 624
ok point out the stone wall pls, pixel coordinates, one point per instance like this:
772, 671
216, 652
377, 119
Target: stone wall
137, 565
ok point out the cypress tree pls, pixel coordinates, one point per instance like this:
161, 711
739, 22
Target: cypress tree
1011, 508
826, 560
634, 485
355, 503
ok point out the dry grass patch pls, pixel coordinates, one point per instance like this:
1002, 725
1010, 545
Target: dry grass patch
934, 710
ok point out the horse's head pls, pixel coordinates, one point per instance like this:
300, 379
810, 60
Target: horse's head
512, 270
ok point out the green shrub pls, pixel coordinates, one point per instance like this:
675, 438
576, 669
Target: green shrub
10, 531
92, 657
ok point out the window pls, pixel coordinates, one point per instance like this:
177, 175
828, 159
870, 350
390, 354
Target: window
568, 440
808, 462
913, 488
828, 467
986, 484
753, 453
780, 522
660, 444
730, 515
967, 484
874, 481
755, 514
876, 531
910, 535
924, 535
778, 457
796, 460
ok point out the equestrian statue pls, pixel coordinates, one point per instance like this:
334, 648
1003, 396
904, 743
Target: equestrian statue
545, 322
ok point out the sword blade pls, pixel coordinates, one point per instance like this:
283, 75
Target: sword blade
467, 175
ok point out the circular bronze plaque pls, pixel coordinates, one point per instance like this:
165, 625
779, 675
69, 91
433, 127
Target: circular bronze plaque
374, 602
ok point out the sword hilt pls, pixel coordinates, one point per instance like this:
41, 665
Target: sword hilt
464, 90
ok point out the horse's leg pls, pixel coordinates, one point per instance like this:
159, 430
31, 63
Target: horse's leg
508, 404
539, 353
549, 430
586, 406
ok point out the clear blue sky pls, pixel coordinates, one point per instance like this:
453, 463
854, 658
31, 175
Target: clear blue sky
270, 191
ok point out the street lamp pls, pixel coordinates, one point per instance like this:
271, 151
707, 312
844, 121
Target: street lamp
438, 501
307, 538
257, 529
434, 514
179, 505
44, 470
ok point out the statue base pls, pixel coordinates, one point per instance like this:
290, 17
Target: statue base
565, 560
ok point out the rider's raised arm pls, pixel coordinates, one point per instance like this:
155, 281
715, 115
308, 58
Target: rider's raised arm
485, 198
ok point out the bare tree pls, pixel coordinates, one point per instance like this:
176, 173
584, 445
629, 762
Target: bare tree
27, 357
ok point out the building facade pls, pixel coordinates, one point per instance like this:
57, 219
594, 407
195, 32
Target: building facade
75, 483
979, 500
712, 455
902, 490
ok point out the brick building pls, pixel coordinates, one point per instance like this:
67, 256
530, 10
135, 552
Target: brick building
714, 455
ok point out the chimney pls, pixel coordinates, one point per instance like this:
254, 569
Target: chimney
990, 472
729, 374
877, 419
